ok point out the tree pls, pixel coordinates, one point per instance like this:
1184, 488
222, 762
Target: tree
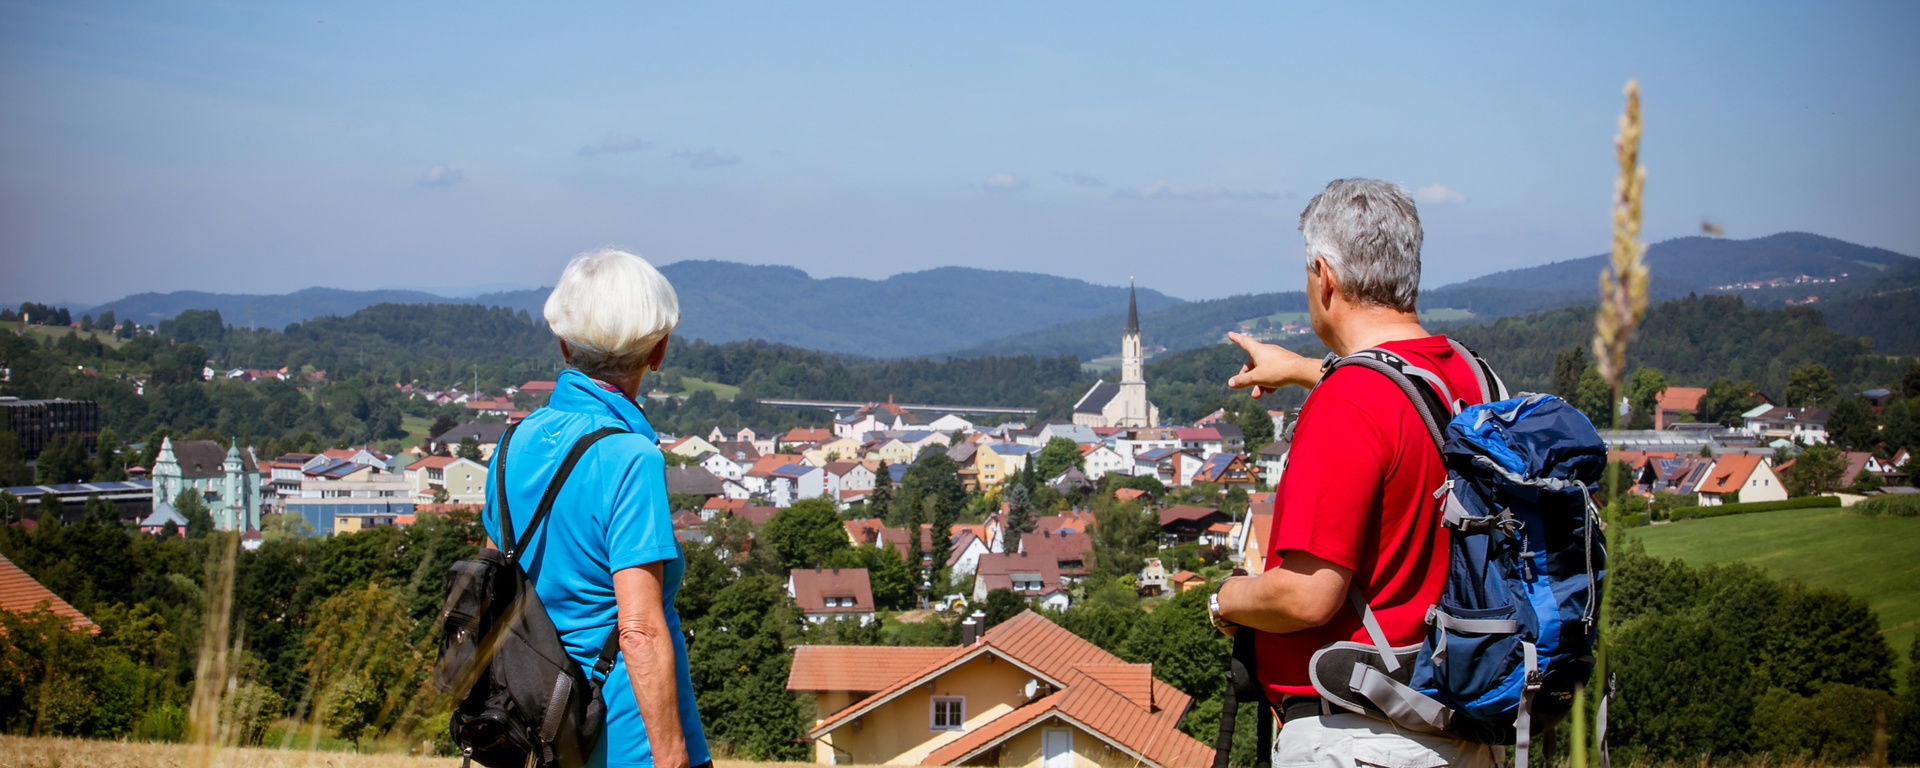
880, 501
806, 534
1851, 425
1001, 604
1643, 395
199, 518
1568, 366
1019, 519
13, 463
887, 573
935, 474
107, 464
739, 660
1123, 536
1594, 398
440, 425
64, 460
469, 448
1055, 457
1816, 470
349, 707
940, 515
1810, 384
1904, 735
1724, 401
1910, 380
1255, 425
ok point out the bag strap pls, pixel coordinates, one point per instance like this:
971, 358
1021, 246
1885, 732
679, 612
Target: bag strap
519, 545
604, 663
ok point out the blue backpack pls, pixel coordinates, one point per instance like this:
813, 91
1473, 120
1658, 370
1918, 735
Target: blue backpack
1512, 637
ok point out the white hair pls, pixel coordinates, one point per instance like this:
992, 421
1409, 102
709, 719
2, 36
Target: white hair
612, 309
1369, 233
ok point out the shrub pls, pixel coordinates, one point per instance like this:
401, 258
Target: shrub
1816, 502
1902, 505
1835, 725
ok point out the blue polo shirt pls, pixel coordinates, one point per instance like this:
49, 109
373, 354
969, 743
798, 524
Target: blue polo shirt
611, 515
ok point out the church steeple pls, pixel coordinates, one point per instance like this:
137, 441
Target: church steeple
1133, 312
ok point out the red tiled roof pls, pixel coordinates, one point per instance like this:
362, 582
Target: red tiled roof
757, 515
812, 587
1183, 576
21, 593
860, 668
1729, 472
537, 385
1128, 494
434, 462
1185, 512
1680, 398
805, 435
1638, 459
996, 571
772, 461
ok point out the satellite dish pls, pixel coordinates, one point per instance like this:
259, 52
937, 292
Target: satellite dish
1032, 688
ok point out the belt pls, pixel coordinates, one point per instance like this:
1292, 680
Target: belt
1296, 707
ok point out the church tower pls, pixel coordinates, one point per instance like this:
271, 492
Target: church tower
1124, 404
1132, 364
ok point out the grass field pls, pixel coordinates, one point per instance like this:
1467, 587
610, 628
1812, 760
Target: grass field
39, 332
24, 752
1874, 558
690, 385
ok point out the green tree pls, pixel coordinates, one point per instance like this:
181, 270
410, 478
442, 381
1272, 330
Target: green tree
1123, 536
1055, 457
940, 514
934, 475
1568, 366
1815, 471
199, 518
887, 573
1724, 401
1851, 424
1810, 384
349, 707
1255, 425
64, 460
806, 534
440, 425
880, 501
251, 709
1904, 732
1001, 604
738, 659
1834, 725
108, 465
1683, 688
1643, 395
469, 448
1020, 519
1181, 644
1594, 398
1820, 636
13, 463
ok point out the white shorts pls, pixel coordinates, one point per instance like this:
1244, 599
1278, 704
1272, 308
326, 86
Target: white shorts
1347, 740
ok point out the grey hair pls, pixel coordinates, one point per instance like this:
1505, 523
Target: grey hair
613, 309
1369, 233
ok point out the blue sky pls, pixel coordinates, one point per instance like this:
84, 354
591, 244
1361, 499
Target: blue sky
449, 147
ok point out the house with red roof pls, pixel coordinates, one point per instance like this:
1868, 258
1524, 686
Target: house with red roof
1744, 474
1676, 404
1031, 575
1025, 692
832, 594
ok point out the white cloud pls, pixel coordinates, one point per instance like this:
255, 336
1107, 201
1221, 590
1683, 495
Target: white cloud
442, 175
1435, 194
1005, 181
616, 142
1167, 190
707, 157
1082, 178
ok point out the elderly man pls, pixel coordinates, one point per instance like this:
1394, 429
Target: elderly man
1354, 507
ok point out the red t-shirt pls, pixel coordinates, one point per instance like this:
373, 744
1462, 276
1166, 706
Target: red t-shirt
1358, 492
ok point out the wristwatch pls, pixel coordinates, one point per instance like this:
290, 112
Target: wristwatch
1213, 606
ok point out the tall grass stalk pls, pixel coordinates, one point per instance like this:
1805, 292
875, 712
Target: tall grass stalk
1623, 302
213, 669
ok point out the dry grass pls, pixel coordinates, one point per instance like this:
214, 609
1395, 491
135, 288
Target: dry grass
24, 752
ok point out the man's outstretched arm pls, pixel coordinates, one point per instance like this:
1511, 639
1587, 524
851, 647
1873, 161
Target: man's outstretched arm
1303, 593
1270, 367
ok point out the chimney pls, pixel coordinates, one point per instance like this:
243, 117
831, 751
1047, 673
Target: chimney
970, 631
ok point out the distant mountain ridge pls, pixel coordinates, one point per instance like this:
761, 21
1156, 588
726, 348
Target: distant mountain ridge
1883, 279
908, 314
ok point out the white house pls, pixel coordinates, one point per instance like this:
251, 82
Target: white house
1105, 459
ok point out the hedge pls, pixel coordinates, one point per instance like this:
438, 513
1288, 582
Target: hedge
1807, 502
1901, 505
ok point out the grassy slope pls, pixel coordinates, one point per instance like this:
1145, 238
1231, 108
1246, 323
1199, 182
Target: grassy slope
41, 332
1876, 559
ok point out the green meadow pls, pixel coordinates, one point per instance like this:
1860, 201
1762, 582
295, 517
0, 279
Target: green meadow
1874, 558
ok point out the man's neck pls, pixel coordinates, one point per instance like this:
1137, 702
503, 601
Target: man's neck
1370, 326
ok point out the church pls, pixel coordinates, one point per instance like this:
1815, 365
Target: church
1124, 404
229, 484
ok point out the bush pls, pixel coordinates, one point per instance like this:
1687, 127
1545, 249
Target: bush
1902, 505
1722, 510
1835, 725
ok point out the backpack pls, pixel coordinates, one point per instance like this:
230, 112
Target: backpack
1511, 638
523, 700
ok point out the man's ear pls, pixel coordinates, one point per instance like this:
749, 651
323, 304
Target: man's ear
1329, 283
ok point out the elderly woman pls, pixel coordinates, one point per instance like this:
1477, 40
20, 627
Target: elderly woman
607, 560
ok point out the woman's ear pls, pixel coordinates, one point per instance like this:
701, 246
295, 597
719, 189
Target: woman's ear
659, 354
566, 352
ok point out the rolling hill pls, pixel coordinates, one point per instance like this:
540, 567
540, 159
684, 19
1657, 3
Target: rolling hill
1877, 294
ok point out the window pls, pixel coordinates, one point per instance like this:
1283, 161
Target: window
949, 713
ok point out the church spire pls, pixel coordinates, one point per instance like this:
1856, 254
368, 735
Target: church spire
1133, 311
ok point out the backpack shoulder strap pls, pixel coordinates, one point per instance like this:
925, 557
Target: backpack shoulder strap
498, 470
1428, 402
1491, 387
553, 489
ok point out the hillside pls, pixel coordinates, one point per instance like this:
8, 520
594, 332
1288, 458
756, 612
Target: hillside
1879, 291
1875, 559
908, 314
